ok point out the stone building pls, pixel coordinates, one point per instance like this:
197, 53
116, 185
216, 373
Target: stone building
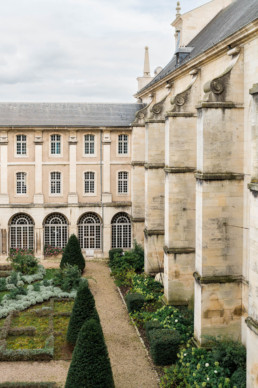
178, 171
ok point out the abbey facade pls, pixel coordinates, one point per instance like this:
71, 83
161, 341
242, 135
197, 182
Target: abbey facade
177, 171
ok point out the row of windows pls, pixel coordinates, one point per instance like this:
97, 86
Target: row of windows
56, 147
56, 231
56, 182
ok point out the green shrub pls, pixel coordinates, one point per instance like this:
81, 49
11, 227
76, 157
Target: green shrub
13, 278
16, 291
230, 354
238, 378
83, 308
113, 252
146, 286
27, 264
133, 259
164, 345
90, 366
150, 326
72, 254
134, 302
2, 284
67, 278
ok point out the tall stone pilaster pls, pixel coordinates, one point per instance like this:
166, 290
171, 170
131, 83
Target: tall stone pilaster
38, 193
219, 212
252, 320
4, 197
72, 196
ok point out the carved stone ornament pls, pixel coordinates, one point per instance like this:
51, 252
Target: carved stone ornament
217, 86
141, 114
180, 99
157, 108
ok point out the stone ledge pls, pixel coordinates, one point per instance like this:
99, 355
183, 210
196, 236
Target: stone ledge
64, 205
179, 170
152, 166
219, 176
153, 232
180, 114
252, 324
139, 164
253, 187
217, 279
217, 105
254, 89
152, 121
179, 251
138, 125
138, 220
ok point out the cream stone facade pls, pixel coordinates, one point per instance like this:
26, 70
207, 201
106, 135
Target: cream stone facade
177, 172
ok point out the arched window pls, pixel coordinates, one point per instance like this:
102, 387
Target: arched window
122, 182
121, 231
89, 144
89, 182
55, 231
55, 182
22, 232
89, 231
55, 144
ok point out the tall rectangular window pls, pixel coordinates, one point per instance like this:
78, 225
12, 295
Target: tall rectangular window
21, 187
123, 144
21, 145
89, 182
55, 182
89, 144
55, 145
123, 182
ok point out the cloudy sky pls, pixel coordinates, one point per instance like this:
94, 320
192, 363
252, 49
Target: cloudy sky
82, 50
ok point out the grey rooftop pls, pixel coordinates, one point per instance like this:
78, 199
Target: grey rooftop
67, 114
227, 22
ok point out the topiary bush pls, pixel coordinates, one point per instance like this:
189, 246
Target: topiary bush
72, 254
230, 354
164, 346
134, 302
150, 326
83, 308
238, 378
90, 366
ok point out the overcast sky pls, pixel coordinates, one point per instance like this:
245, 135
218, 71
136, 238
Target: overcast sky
82, 50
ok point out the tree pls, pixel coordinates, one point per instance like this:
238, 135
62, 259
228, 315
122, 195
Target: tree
83, 308
72, 254
90, 366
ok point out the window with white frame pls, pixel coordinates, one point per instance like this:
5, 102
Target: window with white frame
21, 144
123, 182
89, 231
121, 231
55, 182
89, 144
21, 232
21, 186
55, 144
122, 144
55, 231
89, 182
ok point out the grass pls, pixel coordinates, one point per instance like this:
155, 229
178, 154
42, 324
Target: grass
28, 319
26, 342
63, 306
2, 322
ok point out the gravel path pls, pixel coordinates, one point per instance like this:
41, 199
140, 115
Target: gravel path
130, 364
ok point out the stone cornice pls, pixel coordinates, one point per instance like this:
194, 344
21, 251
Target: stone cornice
153, 232
218, 176
252, 324
180, 114
154, 166
67, 205
138, 220
217, 279
153, 121
254, 89
179, 170
218, 105
139, 164
179, 251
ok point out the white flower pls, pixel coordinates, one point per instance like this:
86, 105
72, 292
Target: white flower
184, 354
176, 320
208, 378
215, 371
207, 364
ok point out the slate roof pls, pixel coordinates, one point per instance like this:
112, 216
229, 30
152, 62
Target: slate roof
68, 114
227, 22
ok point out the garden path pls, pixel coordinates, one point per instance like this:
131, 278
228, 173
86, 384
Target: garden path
130, 364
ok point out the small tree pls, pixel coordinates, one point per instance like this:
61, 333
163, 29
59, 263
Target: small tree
90, 366
72, 254
83, 308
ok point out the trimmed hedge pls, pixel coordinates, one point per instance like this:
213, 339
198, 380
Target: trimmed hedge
72, 254
150, 326
90, 366
83, 308
113, 252
134, 302
164, 345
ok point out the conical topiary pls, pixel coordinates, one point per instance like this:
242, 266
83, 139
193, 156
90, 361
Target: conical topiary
90, 366
72, 254
83, 308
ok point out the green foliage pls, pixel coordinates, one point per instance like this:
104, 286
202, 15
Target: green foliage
21, 251
2, 284
36, 287
83, 308
113, 252
150, 326
134, 302
72, 254
164, 345
230, 354
90, 366
13, 278
238, 378
67, 278
146, 286
27, 264
52, 251
124, 277
130, 260
16, 291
